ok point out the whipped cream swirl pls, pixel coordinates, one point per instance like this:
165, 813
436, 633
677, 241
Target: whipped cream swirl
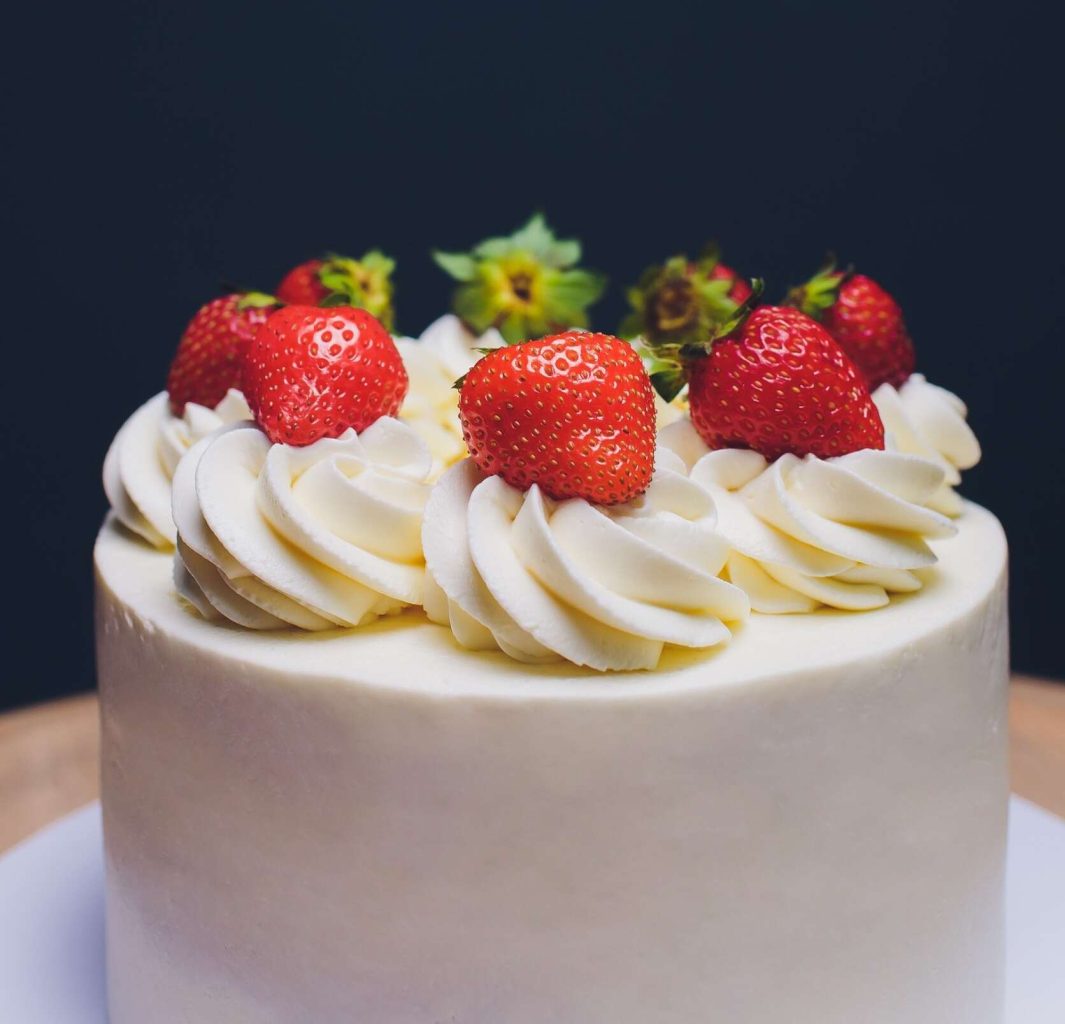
923, 419
145, 453
444, 352
328, 535
602, 587
843, 532
667, 413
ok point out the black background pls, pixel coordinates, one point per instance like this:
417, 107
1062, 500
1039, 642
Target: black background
151, 152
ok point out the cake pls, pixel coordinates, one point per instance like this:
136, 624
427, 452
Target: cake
397, 733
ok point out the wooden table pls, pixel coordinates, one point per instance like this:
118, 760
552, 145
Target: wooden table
49, 752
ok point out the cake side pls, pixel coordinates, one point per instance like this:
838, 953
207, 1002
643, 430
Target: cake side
320, 830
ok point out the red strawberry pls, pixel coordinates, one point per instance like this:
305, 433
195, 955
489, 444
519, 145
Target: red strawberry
301, 286
572, 412
208, 358
865, 320
740, 290
311, 373
779, 383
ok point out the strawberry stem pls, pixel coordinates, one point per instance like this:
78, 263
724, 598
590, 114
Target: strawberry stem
819, 293
741, 312
256, 300
365, 283
667, 363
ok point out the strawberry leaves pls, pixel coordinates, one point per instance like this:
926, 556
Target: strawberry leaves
364, 283
524, 285
683, 302
822, 290
666, 360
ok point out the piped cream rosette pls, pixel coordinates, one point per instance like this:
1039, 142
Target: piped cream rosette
444, 352
923, 419
844, 532
145, 453
328, 535
597, 586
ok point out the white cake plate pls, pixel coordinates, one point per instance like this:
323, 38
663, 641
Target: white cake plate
52, 922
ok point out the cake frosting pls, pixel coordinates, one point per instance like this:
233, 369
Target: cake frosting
603, 587
923, 419
445, 350
667, 413
145, 453
845, 532
326, 535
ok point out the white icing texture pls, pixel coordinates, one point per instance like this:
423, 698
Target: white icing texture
923, 419
601, 587
844, 532
667, 413
144, 455
444, 352
328, 535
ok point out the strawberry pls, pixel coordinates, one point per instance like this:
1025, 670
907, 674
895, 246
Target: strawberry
682, 301
865, 320
740, 290
524, 285
771, 379
302, 286
311, 373
572, 412
779, 383
342, 281
208, 358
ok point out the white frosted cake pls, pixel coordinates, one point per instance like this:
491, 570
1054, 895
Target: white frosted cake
395, 735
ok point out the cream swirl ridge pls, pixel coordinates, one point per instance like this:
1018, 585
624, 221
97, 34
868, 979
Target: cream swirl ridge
145, 453
444, 352
843, 532
328, 535
923, 419
601, 587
